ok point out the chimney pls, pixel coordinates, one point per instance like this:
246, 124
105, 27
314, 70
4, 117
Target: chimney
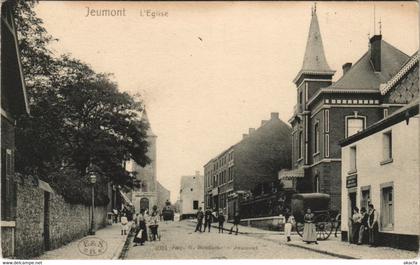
251, 131
346, 67
274, 115
244, 136
263, 122
375, 52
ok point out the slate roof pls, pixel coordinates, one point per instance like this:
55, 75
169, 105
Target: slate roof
314, 59
362, 75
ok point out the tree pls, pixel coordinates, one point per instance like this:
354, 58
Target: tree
79, 119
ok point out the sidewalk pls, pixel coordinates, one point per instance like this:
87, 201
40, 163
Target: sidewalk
333, 246
106, 244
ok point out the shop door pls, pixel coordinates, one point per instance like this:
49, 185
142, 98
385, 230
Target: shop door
352, 204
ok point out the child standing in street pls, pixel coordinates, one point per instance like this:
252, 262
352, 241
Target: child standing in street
288, 226
221, 220
124, 224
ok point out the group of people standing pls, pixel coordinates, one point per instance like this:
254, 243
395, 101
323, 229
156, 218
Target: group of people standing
144, 223
364, 225
209, 216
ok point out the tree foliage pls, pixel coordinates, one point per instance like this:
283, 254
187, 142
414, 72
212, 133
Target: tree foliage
79, 119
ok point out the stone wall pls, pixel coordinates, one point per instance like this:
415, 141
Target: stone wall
67, 222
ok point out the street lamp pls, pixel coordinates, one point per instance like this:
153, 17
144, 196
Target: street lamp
92, 180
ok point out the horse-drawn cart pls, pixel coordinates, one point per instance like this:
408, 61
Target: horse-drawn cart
319, 205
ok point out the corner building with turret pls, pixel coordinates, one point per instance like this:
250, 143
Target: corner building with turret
327, 112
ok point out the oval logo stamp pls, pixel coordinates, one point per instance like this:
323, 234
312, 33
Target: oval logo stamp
92, 246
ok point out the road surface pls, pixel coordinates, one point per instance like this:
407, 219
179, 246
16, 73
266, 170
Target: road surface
179, 241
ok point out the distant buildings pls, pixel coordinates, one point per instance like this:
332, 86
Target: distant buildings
191, 195
327, 112
380, 165
243, 167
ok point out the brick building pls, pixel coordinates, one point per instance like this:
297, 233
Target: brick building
145, 197
13, 103
243, 167
327, 111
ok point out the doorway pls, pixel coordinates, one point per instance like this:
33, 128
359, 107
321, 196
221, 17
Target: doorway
46, 221
144, 204
352, 204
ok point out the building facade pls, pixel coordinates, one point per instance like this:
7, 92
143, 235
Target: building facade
163, 195
13, 103
381, 164
243, 167
327, 111
145, 197
191, 195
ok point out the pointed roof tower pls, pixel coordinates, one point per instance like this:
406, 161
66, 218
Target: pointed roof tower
145, 119
314, 61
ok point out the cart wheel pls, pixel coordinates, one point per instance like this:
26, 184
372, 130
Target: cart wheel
299, 228
324, 226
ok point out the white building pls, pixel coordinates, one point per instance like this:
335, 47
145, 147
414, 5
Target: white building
381, 165
191, 194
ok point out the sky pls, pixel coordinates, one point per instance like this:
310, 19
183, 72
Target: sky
209, 71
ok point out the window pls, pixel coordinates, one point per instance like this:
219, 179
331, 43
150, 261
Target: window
387, 146
355, 125
195, 205
353, 155
316, 138
300, 144
365, 197
317, 184
387, 211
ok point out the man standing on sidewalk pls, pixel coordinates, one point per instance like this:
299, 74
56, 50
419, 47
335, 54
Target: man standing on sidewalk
200, 216
373, 226
207, 219
236, 222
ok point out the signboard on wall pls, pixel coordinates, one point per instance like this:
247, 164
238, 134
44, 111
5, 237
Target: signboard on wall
351, 181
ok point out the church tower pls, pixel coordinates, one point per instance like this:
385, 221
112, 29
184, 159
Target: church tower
145, 197
314, 74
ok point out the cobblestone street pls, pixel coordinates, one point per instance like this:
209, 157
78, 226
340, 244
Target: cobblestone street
180, 242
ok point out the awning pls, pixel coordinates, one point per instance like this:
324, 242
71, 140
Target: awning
126, 199
291, 174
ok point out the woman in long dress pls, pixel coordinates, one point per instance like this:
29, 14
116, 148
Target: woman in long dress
309, 229
141, 234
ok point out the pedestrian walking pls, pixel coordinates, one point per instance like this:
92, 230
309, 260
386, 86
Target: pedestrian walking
141, 229
221, 221
356, 221
337, 223
124, 224
200, 216
288, 226
373, 226
236, 222
309, 229
154, 223
363, 225
207, 219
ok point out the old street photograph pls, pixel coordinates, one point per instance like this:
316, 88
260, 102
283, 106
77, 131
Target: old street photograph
209, 130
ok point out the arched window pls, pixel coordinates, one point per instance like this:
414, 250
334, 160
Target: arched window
316, 138
317, 184
300, 144
355, 124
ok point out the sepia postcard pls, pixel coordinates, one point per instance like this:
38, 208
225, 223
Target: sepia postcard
184, 131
